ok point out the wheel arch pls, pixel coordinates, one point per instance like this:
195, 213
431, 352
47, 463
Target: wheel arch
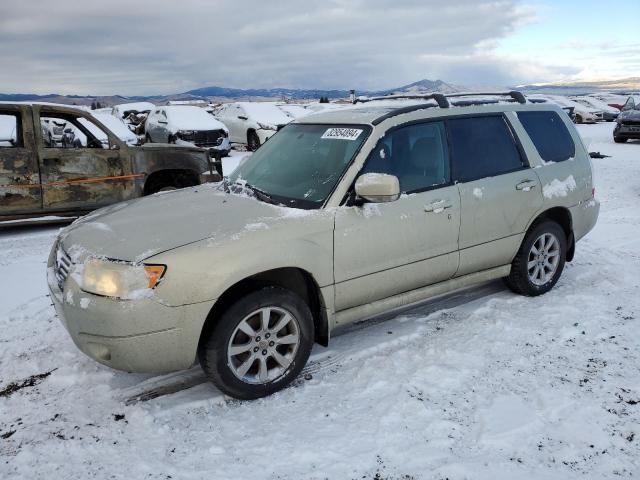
562, 216
295, 279
174, 176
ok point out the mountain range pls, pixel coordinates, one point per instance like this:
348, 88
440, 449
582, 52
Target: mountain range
225, 93
425, 86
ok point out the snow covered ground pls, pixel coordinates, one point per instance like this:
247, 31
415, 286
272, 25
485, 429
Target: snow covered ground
480, 385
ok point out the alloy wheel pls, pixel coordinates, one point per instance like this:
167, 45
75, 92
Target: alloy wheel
543, 259
263, 345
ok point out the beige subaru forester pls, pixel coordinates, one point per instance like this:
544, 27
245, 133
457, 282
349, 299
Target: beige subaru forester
341, 216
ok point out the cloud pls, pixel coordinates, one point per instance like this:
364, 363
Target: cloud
120, 46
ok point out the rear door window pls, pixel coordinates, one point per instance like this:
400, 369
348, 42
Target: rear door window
549, 134
481, 147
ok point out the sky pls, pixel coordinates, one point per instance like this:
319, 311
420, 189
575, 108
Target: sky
146, 47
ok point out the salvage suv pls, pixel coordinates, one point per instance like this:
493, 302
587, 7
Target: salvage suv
40, 176
340, 217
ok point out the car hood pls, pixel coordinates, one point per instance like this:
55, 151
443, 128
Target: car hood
135, 230
629, 115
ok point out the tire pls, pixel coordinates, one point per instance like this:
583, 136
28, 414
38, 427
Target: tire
239, 375
253, 141
578, 119
620, 139
532, 282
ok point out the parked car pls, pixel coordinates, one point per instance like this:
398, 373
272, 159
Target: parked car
187, 125
608, 113
581, 113
89, 170
117, 126
251, 123
628, 122
53, 131
294, 110
134, 116
612, 99
341, 216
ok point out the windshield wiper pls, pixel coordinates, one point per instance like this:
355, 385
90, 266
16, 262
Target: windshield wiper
259, 194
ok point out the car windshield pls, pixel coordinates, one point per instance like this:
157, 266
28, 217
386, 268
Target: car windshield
301, 164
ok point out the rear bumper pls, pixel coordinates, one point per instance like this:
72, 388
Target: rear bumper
132, 335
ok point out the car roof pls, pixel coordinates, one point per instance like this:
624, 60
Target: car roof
372, 114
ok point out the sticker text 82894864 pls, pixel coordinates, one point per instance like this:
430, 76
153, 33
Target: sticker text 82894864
342, 133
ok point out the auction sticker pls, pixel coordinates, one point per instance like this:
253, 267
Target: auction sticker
342, 133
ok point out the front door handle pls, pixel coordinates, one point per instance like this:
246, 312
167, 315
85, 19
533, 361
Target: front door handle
526, 185
438, 206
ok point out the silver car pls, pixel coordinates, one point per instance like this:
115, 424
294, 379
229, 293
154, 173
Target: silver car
341, 216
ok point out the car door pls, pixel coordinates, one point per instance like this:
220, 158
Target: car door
87, 173
20, 190
499, 191
383, 249
237, 128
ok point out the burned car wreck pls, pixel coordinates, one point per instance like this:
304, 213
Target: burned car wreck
39, 177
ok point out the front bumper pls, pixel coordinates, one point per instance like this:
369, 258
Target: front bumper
224, 146
626, 131
140, 335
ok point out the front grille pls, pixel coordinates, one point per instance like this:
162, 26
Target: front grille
62, 267
204, 138
630, 122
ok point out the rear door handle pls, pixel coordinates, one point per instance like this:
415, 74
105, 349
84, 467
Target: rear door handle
526, 185
438, 206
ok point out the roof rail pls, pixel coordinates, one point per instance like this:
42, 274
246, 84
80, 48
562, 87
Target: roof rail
440, 99
514, 94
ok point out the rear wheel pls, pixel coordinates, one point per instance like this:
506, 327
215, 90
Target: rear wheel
540, 260
620, 139
253, 141
259, 344
578, 118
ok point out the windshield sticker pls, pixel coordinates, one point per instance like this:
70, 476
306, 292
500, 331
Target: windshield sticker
342, 133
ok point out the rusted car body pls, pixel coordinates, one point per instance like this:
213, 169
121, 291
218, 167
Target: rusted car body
37, 178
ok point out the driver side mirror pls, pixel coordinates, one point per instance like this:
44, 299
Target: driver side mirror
378, 187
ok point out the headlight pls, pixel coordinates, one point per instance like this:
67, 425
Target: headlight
120, 279
267, 127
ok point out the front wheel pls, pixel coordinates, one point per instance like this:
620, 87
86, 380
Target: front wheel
253, 141
259, 344
620, 139
540, 260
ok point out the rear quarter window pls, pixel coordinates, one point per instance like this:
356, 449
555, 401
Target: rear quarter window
549, 134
